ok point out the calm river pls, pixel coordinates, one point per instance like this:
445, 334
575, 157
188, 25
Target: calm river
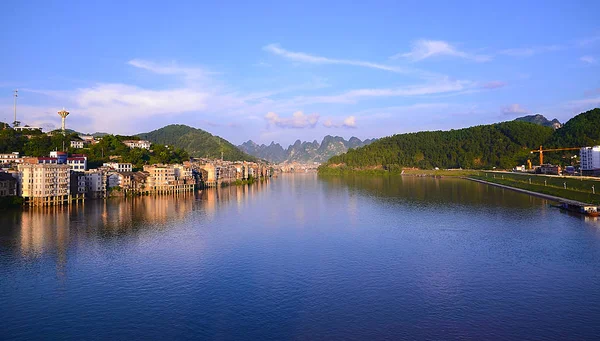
303, 257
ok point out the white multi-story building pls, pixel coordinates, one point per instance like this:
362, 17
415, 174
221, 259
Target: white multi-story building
78, 163
77, 144
119, 167
137, 144
44, 184
11, 158
590, 159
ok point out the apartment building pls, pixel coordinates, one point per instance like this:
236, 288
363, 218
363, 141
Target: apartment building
95, 183
119, 167
169, 178
77, 186
138, 144
78, 144
589, 158
8, 185
11, 158
77, 163
44, 184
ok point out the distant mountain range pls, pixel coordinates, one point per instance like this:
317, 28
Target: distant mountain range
540, 120
304, 151
196, 142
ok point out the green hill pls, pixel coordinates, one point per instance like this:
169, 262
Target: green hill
501, 145
580, 131
196, 142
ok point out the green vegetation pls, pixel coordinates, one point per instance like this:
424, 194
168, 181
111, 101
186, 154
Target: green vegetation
9, 202
196, 142
580, 131
502, 145
396, 170
110, 148
579, 189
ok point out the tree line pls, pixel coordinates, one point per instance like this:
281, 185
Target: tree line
502, 145
110, 148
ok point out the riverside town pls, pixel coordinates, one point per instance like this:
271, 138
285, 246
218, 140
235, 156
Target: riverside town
62, 178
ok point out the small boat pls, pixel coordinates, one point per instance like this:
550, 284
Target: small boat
588, 210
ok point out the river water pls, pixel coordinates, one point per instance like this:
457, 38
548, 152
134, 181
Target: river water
304, 257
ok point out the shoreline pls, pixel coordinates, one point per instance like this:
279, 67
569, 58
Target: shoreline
532, 193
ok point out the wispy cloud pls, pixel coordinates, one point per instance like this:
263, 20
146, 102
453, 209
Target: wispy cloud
352, 96
298, 120
424, 49
173, 69
514, 109
592, 92
530, 51
493, 85
588, 102
348, 122
588, 41
301, 57
588, 59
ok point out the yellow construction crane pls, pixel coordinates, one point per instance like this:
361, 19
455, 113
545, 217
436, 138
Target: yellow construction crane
542, 151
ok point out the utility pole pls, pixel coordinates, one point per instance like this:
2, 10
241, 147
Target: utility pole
15, 123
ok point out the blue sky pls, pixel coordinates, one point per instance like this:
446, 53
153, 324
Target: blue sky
297, 70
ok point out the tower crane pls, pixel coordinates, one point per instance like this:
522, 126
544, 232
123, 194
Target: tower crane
542, 151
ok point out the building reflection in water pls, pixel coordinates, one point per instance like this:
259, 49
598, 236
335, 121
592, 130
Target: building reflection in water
51, 231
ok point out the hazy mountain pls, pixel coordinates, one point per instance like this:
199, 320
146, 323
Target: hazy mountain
540, 120
273, 152
196, 142
303, 151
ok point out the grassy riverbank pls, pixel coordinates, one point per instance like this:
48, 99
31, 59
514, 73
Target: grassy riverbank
579, 189
397, 171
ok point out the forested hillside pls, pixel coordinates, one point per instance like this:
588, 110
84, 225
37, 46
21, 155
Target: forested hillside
196, 142
581, 130
502, 145
109, 148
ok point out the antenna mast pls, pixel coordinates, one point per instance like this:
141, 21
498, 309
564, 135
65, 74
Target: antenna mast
15, 122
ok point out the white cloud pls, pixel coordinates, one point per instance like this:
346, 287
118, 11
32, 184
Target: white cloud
173, 69
424, 49
588, 59
588, 41
352, 96
588, 102
515, 109
298, 120
530, 51
127, 108
348, 122
302, 57
493, 85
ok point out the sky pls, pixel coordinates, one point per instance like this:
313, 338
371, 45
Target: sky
286, 70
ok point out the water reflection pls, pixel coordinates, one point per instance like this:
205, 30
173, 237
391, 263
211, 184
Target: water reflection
430, 191
440, 194
38, 230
